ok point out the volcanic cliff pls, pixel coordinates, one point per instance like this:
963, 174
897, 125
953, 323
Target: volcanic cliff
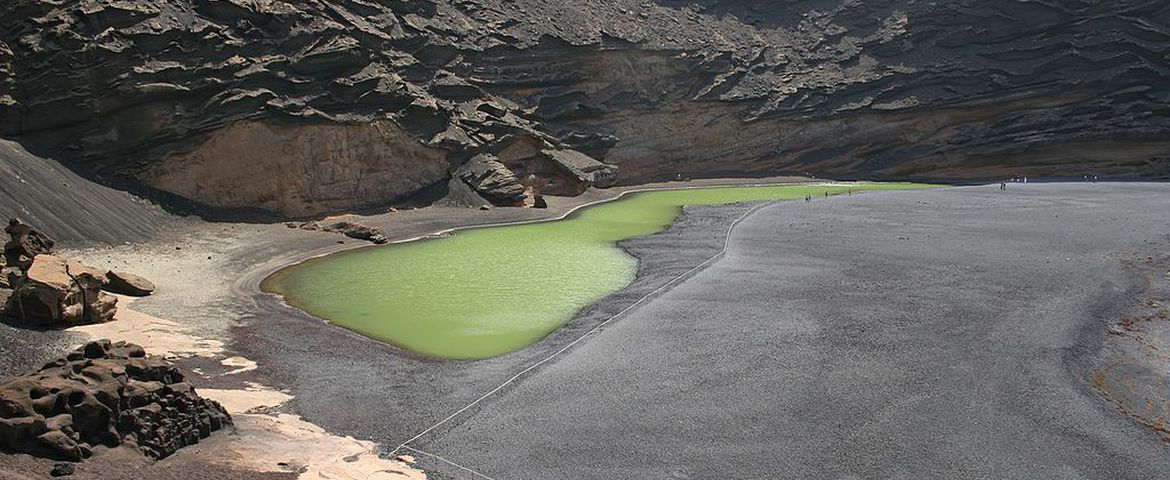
299, 108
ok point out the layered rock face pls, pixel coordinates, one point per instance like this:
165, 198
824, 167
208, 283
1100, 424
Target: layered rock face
349, 103
104, 394
300, 171
294, 108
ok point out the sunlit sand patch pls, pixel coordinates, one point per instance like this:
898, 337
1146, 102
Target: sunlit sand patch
240, 363
159, 336
264, 442
284, 442
250, 399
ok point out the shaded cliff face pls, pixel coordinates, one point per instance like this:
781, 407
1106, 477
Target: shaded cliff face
849, 88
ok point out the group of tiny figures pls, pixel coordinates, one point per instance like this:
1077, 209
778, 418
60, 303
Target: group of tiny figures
1023, 179
808, 198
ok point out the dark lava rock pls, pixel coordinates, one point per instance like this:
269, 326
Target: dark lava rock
127, 284
358, 231
104, 394
54, 292
24, 243
350, 229
62, 469
492, 180
9, 276
5, 295
139, 91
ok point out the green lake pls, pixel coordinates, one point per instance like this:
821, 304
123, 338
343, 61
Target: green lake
484, 292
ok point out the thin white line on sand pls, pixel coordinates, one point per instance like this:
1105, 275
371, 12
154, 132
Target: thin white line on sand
444, 460
664, 286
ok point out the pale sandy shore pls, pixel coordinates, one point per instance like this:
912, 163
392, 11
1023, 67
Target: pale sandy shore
208, 313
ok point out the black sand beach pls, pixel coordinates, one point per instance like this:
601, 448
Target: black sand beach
934, 334
960, 332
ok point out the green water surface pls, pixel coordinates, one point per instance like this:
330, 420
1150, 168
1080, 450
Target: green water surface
488, 291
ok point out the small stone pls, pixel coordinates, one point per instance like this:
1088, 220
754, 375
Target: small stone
62, 469
485, 207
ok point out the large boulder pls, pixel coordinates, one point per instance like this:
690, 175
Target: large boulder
358, 231
492, 180
104, 394
127, 284
54, 292
24, 243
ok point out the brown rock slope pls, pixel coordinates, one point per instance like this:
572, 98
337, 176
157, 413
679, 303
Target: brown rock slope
305, 107
104, 394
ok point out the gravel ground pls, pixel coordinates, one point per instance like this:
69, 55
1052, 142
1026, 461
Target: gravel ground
929, 334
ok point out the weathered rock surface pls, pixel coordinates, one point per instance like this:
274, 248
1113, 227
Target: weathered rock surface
104, 394
358, 231
350, 229
24, 243
127, 284
335, 104
301, 170
491, 180
54, 292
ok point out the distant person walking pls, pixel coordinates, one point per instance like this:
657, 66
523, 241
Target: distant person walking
826, 194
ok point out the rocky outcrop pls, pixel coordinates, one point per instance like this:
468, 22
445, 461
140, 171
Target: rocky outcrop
24, 243
106, 394
350, 229
293, 108
127, 284
43, 290
54, 292
357, 231
492, 180
301, 170
338, 100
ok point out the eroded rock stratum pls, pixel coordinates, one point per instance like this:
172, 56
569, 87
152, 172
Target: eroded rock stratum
306, 107
104, 394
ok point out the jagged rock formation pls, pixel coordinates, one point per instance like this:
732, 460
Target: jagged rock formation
350, 103
24, 243
104, 394
494, 181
